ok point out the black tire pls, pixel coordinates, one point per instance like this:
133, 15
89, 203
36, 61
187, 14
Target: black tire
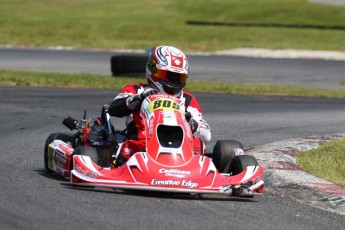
128, 64
87, 151
240, 163
65, 137
223, 152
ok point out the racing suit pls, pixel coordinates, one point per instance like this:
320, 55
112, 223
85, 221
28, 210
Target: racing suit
135, 125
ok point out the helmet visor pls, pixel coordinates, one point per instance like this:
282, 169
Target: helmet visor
166, 75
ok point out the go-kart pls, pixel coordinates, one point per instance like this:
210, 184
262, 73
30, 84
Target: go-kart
169, 163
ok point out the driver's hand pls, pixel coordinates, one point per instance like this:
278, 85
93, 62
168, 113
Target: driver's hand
134, 102
193, 125
147, 92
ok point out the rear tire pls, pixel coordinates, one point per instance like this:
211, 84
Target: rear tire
240, 163
65, 137
223, 152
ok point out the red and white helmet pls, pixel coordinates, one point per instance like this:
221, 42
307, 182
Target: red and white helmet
167, 69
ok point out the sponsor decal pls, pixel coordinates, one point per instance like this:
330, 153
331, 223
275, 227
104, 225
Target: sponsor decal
68, 150
189, 184
60, 152
174, 172
60, 158
86, 172
165, 182
184, 183
128, 151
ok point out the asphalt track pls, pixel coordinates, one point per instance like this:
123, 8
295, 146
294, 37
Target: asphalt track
33, 199
308, 73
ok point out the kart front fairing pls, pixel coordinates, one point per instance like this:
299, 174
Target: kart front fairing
169, 163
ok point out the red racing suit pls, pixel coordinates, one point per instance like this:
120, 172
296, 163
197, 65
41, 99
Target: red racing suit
135, 125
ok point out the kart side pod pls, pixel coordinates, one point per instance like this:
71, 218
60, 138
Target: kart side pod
59, 157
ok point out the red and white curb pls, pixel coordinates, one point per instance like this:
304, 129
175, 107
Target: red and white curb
286, 178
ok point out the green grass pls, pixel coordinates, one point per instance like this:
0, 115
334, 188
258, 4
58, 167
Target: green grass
327, 161
26, 78
138, 24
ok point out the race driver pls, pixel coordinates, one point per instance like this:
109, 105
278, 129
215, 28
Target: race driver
166, 72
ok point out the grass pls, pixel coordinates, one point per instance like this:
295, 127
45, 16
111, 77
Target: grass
27, 78
327, 161
138, 24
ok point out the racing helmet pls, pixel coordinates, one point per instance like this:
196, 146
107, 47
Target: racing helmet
167, 69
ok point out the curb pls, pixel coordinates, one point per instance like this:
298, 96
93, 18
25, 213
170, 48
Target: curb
286, 178
288, 54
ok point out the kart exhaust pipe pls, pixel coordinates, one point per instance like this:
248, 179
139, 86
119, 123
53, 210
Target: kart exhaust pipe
70, 123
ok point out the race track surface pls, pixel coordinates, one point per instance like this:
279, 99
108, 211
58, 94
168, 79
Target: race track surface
307, 73
33, 199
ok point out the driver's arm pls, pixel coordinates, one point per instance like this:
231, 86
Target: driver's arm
201, 128
129, 100
119, 108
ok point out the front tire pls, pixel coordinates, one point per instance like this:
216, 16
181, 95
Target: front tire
65, 137
240, 163
223, 152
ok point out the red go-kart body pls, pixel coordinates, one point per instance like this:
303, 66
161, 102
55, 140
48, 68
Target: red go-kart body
169, 163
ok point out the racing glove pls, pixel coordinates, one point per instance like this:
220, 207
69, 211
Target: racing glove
192, 123
133, 102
